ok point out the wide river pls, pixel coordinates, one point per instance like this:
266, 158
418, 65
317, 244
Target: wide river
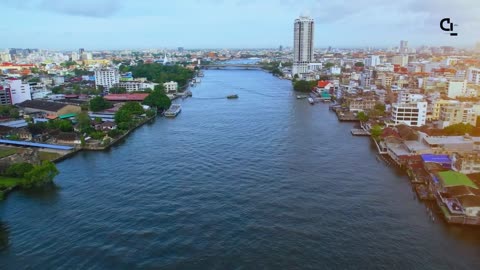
262, 182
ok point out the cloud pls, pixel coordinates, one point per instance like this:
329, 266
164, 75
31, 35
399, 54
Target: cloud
87, 8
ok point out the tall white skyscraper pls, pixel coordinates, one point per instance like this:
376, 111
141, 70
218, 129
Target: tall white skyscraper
403, 46
302, 44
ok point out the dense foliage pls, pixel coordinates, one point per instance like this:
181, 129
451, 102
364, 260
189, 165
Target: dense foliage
376, 131
99, 104
304, 86
124, 117
8, 111
160, 74
19, 169
40, 174
158, 99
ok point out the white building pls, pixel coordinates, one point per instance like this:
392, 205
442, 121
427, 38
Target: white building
107, 77
19, 91
401, 60
410, 114
136, 86
403, 46
372, 61
302, 45
75, 56
456, 88
405, 97
474, 75
336, 70
171, 87
5, 57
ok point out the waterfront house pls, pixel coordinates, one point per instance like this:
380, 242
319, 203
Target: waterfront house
105, 126
67, 138
467, 163
458, 197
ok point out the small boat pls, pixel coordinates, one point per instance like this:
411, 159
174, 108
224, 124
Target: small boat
301, 96
173, 111
311, 101
232, 96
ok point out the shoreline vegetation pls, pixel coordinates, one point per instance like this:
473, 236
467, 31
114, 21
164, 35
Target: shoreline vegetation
129, 116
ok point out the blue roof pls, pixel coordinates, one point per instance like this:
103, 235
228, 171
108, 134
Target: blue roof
436, 158
40, 145
15, 124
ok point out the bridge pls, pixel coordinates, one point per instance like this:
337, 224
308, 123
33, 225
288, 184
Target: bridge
231, 66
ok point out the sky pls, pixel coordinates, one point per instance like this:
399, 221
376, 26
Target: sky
194, 24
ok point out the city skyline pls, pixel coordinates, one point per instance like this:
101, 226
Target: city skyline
122, 24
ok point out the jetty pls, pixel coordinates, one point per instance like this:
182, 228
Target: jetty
359, 132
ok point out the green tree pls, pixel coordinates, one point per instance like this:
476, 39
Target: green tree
362, 116
376, 131
118, 90
158, 99
133, 108
304, 86
328, 65
84, 122
40, 174
19, 169
57, 89
99, 104
65, 126
359, 64
123, 116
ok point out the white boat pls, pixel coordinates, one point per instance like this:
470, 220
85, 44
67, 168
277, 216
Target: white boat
311, 101
173, 111
301, 96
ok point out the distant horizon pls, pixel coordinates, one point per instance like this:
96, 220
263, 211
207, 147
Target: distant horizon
120, 24
235, 49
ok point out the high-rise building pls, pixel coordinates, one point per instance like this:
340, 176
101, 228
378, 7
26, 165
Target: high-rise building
180, 49
403, 46
81, 51
401, 60
280, 48
302, 44
19, 91
372, 61
107, 77
456, 88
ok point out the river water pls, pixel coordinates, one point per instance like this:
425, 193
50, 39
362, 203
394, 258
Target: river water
262, 182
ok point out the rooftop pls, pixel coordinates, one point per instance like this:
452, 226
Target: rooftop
126, 97
42, 105
451, 179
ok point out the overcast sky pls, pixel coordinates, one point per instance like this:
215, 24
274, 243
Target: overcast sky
119, 24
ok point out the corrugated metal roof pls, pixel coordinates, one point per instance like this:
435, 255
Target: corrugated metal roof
40, 145
436, 158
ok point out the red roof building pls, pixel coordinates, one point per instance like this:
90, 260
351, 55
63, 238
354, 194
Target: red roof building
322, 84
125, 97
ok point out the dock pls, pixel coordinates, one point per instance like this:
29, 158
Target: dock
359, 132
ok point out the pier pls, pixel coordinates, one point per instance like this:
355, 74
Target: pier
359, 132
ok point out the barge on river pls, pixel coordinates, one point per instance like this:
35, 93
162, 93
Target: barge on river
173, 111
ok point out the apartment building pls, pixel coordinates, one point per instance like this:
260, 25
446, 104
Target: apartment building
457, 113
410, 114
